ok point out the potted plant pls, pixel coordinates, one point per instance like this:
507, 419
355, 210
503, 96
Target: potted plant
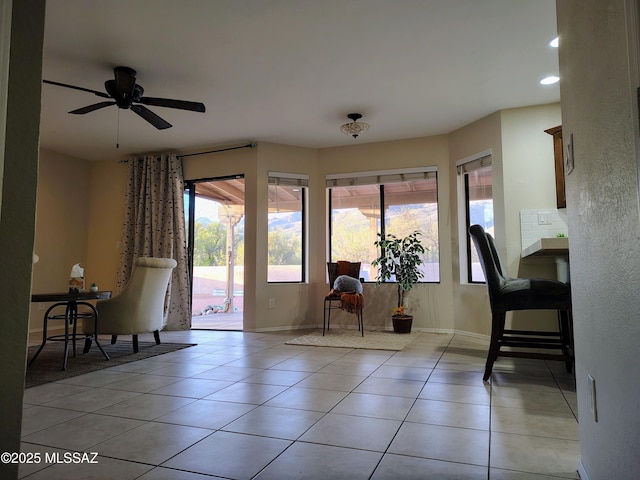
400, 258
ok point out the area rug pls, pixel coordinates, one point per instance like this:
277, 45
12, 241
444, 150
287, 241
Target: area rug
372, 340
48, 366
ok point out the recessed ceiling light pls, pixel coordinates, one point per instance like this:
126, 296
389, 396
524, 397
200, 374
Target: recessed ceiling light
554, 43
550, 80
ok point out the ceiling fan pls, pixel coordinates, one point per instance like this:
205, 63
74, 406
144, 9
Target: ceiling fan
124, 92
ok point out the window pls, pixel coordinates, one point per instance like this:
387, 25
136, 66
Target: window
475, 179
286, 227
409, 200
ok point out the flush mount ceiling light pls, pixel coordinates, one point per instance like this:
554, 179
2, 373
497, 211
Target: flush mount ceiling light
554, 43
355, 128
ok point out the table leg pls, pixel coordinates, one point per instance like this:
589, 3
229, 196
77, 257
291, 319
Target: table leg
66, 335
95, 331
74, 321
44, 329
44, 335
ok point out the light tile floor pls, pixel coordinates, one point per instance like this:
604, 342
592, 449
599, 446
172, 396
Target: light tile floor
245, 405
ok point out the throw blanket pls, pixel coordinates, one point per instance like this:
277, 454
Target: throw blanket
352, 302
343, 267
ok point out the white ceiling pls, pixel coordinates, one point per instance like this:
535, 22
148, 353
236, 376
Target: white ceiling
289, 71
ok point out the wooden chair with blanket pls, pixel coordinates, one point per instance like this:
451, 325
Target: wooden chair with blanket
345, 293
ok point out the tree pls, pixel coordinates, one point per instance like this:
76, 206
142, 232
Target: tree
423, 218
284, 248
351, 236
210, 242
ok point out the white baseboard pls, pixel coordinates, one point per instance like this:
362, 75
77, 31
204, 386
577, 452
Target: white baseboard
437, 331
581, 472
477, 336
35, 333
282, 329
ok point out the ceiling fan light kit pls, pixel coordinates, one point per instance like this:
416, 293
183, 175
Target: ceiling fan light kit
124, 92
354, 128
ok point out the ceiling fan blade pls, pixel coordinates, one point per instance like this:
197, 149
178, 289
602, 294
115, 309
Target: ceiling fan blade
92, 108
167, 102
95, 92
151, 117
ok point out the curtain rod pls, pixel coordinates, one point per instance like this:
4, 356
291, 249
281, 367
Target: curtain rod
248, 145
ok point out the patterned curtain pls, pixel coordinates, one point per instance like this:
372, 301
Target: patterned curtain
154, 226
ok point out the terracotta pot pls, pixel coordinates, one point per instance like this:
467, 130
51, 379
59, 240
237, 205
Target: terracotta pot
402, 323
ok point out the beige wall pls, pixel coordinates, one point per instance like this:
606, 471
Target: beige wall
528, 182
528, 170
62, 224
431, 304
523, 178
443, 306
235, 162
297, 305
599, 71
108, 187
471, 312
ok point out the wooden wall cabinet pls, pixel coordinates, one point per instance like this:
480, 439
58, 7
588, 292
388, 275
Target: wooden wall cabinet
556, 133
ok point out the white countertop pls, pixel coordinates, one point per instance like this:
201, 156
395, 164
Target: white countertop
547, 247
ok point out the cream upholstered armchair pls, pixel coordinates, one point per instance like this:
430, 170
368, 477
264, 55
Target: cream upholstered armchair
140, 307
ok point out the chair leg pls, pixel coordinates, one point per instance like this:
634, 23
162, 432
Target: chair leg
564, 319
497, 327
87, 344
44, 336
114, 338
324, 318
156, 336
135, 343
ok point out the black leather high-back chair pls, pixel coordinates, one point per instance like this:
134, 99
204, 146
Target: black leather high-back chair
333, 300
508, 294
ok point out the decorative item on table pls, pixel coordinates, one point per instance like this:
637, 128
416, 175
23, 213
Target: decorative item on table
93, 287
76, 279
400, 258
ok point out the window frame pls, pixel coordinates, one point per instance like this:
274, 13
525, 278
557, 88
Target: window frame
385, 177
301, 181
464, 167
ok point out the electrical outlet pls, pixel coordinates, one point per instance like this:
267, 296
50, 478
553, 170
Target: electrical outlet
272, 303
594, 403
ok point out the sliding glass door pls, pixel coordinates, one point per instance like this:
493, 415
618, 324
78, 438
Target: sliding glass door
215, 242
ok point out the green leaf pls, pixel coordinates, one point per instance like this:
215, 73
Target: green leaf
399, 257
